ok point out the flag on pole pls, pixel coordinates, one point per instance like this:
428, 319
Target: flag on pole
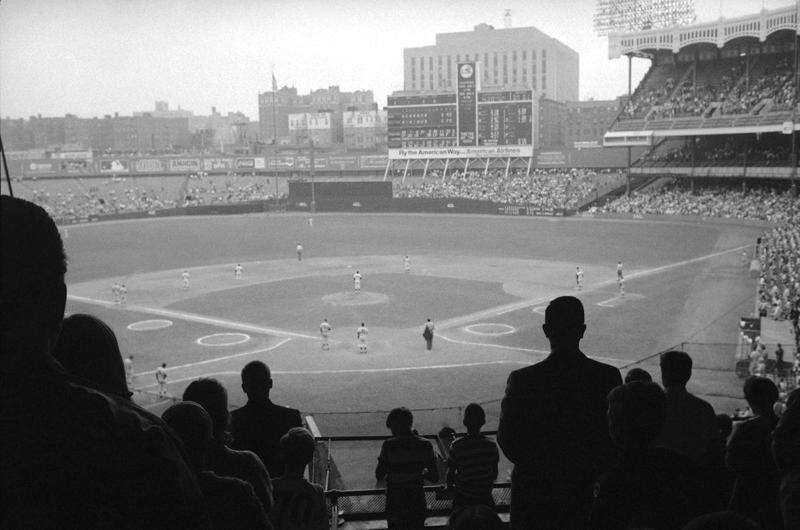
274, 83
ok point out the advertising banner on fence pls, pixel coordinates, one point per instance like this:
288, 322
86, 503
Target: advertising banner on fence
513, 209
373, 161
116, 165
249, 163
281, 162
304, 162
149, 165
211, 164
75, 166
72, 155
40, 167
344, 162
551, 158
184, 164
497, 151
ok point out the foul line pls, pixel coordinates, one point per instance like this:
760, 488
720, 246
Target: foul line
216, 359
193, 317
357, 370
507, 308
515, 348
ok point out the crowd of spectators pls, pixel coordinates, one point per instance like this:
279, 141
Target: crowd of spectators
544, 188
754, 204
779, 279
75, 199
589, 449
724, 152
204, 189
732, 90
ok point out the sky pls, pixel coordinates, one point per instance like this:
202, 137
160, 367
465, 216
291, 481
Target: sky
96, 57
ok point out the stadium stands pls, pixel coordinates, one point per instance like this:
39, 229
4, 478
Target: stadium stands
545, 188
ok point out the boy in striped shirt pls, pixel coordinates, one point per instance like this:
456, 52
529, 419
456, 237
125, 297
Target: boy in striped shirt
405, 462
472, 465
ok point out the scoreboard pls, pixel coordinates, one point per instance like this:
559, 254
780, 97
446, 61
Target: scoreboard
501, 118
505, 118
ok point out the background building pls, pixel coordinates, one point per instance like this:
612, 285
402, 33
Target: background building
510, 59
331, 102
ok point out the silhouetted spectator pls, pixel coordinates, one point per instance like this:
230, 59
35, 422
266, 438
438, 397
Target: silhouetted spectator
786, 450
749, 455
638, 374
553, 426
719, 478
230, 502
88, 348
406, 460
259, 425
299, 504
223, 460
71, 456
721, 521
646, 489
472, 463
477, 517
691, 424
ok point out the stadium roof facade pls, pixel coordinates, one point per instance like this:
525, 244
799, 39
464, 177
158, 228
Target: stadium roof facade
760, 26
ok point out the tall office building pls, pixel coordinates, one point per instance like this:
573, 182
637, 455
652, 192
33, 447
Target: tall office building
510, 59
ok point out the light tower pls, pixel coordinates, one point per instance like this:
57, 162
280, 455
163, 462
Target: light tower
507, 18
620, 16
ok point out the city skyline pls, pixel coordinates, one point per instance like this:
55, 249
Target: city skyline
130, 53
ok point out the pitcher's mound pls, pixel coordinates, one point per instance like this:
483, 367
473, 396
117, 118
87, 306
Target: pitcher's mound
351, 298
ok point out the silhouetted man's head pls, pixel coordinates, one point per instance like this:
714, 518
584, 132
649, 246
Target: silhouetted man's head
212, 396
256, 380
32, 268
192, 424
474, 417
636, 413
297, 448
564, 322
400, 421
761, 394
88, 348
638, 374
676, 369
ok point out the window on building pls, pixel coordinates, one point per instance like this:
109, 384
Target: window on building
494, 67
534, 84
486, 67
514, 67
449, 70
505, 68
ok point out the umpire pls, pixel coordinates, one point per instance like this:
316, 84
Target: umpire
427, 333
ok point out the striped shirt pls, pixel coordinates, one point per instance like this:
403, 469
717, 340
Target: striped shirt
405, 461
472, 468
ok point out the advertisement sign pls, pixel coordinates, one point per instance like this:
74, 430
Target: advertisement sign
319, 120
497, 151
149, 165
281, 162
74, 166
245, 163
66, 155
304, 162
467, 104
343, 162
40, 167
373, 161
357, 119
210, 164
184, 164
116, 165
